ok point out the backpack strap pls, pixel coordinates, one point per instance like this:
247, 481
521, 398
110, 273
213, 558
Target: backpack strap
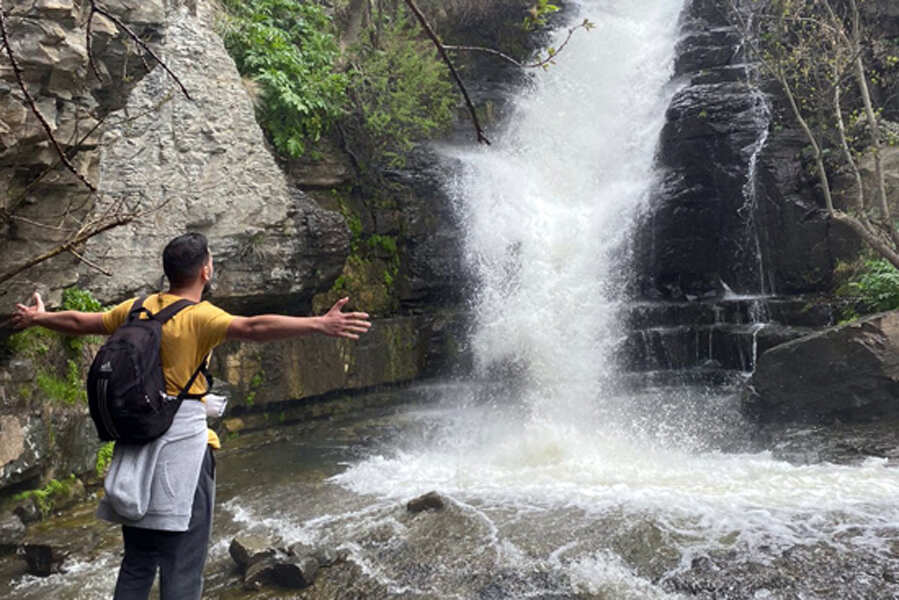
172, 309
164, 315
185, 391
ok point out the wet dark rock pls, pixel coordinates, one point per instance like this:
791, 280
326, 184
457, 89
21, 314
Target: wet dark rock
43, 560
295, 572
12, 532
248, 549
28, 512
847, 373
429, 501
695, 235
258, 574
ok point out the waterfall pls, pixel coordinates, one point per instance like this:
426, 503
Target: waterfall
549, 208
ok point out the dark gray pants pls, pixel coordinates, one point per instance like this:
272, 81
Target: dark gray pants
179, 555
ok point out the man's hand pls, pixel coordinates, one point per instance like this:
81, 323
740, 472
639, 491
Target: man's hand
345, 325
25, 315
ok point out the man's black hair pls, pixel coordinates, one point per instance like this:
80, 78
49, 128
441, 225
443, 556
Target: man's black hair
183, 258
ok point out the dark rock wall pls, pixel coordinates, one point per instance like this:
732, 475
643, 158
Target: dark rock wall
705, 225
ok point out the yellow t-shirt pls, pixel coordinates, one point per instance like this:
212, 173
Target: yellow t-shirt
186, 340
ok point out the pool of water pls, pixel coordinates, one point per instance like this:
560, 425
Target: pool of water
597, 506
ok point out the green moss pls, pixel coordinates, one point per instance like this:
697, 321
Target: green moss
48, 496
68, 390
255, 382
104, 457
31, 343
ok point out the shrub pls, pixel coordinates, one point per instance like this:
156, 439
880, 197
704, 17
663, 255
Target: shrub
289, 49
875, 287
399, 90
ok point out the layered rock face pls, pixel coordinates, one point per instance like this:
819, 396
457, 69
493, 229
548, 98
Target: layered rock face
190, 164
734, 206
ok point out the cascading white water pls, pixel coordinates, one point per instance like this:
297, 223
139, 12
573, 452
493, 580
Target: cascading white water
549, 209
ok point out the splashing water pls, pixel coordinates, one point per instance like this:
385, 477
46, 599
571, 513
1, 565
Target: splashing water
548, 212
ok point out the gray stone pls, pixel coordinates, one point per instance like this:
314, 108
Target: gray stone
249, 549
12, 531
21, 369
429, 501
23, 448
846, 373
295, 572
43, 559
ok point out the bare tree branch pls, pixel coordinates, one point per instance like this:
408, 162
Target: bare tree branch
118, 22
69, 245
550, 57
29, 100
482, 137
89, 263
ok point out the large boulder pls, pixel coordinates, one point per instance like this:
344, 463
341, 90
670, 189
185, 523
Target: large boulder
847, 373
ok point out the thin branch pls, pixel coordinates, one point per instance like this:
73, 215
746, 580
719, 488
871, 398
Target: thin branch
29, 100
140, 42
69, 245
551, 55
482, 137
90, 263
89, 41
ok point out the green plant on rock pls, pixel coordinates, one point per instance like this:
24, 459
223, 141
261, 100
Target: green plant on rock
289, 49
46, 497
104, 457
68, 390
255, 383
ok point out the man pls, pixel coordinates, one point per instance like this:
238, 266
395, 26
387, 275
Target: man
162, 492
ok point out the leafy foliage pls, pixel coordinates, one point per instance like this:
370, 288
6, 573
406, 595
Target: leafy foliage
875, 287
399, 91
75, 298
289, 49
68, 390
104, 457
46, 497
538, 14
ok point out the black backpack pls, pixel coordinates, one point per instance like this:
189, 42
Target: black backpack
125, 384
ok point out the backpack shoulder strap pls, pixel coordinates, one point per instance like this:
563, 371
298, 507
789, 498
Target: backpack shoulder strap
136, 308
185, 391
172, 309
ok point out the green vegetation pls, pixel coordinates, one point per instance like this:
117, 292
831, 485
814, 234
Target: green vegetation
386, 90
874, 285
48, 496
68, 390
399, 92
538, 14
104, 457
255, 383
75, 298
289, 49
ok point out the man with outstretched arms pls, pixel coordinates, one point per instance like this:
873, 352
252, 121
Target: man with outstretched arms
162, 492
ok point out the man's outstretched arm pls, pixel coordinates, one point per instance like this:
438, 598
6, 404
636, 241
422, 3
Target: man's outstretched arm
70, 322
264, 328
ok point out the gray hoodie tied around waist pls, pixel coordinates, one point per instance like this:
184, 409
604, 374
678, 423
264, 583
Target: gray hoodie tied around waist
152, 485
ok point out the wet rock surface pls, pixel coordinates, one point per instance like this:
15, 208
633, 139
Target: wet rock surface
430, 501
696, 234
844, 373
